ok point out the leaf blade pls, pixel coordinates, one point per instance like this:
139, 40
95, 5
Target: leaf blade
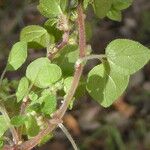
17, 56
106, 85
127, 56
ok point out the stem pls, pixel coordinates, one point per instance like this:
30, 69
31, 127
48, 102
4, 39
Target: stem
58, 47
68, 135
8, 140
12, 129
81, 26
8, 97
57, 117
79, 68
2, 76
64, 26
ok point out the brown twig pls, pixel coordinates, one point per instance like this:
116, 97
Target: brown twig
24, 105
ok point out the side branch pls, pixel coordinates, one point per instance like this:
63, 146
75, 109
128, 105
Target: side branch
58, 47
63, 25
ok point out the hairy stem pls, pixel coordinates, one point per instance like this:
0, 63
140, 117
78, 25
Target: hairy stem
68, 135
79, 68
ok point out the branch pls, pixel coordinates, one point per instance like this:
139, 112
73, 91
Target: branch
62, 25
57, 117
2, 76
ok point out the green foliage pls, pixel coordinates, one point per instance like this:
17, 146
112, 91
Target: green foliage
49, 104
105, 85
1, 143
3, 125
127, 56
18, 120
67, 58
42, 73
50, 8
33, 96
121, 4
117, 6
17, 56
67, 84
52, 29
114, 14
101, 7
45, 139
32, 127
22, 89
86, 3
36, 36
63, 4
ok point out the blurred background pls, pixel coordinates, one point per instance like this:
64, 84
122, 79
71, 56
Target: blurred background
125, 125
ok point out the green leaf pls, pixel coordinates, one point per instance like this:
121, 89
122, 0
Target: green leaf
36, 36
63, 4
67, 84
45, 139
3, 125
105, 85
33, 96
22, 89
50, 104
101, 7
42, 73
18, 120
114, 14
86, 3
1, 144
17, 56
122, 4
49, 8
32, 127
52, 29
67, 58
80, 91
127, 56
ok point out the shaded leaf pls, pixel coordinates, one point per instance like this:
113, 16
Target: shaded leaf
22, 89
122, 4
67, 58
114, 14
105, 85
36, 36
32, 127
18, 120
49, 105
101, 7
3, 125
